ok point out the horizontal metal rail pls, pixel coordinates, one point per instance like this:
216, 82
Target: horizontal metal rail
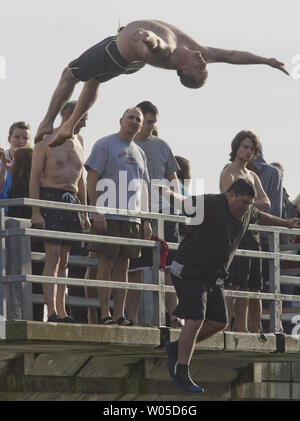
159, 287
137, 286
91, 209
62, 235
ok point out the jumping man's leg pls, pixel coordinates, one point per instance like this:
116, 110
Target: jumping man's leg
171, 301
87, 98
61, 95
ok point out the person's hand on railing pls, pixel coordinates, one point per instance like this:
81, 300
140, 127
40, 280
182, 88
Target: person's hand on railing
293, 223
147, 230
37, 221
100, 223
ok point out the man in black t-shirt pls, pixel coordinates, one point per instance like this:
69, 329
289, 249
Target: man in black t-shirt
201, 264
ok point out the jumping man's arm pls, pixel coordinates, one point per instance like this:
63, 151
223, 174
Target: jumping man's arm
217, 55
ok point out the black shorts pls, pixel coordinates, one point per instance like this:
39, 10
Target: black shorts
171, 234
246, 272
198, 301
102, 62
57, 219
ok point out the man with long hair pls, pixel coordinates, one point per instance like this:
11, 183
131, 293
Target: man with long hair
245, 273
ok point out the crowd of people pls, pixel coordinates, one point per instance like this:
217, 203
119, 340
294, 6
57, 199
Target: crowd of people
126, 162
57, 174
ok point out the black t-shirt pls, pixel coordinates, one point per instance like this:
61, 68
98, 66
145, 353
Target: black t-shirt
208, 248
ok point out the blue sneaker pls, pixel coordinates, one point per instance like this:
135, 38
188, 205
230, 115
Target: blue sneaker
171, 359
192, 388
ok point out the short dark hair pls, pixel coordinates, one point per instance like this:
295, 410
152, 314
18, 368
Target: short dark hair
237, 140
18, 125
147, 107
68, 107
242, 187
189, 81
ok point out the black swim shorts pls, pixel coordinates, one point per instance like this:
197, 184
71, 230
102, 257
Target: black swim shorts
57, 219
102, 62
198, 301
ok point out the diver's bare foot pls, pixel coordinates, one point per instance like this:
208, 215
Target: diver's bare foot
43, 130
62, 134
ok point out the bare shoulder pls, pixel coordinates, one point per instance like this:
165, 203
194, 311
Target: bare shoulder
228, 171
227, 177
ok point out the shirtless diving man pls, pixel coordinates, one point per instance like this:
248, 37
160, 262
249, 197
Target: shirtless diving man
138, 43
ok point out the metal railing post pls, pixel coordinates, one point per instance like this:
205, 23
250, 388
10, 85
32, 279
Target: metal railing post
158, 278
18, 262
274, 278
2, 265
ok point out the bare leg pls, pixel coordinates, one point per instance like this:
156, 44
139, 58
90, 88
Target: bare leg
134, 296
187, 340
210, 328
50, 269
230, 303
61, 95
120, 269
241, 315
87, 98
255, 312
91, 292
61, 289
103, 273
171, 299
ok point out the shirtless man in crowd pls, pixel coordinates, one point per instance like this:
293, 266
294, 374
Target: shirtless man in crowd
245, 273
138, 43
57, 175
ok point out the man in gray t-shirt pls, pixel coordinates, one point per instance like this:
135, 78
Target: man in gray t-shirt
162, 165
117, 178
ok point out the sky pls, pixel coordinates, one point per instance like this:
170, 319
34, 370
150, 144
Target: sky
38, 39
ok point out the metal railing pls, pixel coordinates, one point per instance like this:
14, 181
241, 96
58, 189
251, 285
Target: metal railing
16, 257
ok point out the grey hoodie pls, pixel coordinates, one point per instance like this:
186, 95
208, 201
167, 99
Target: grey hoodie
271, 181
